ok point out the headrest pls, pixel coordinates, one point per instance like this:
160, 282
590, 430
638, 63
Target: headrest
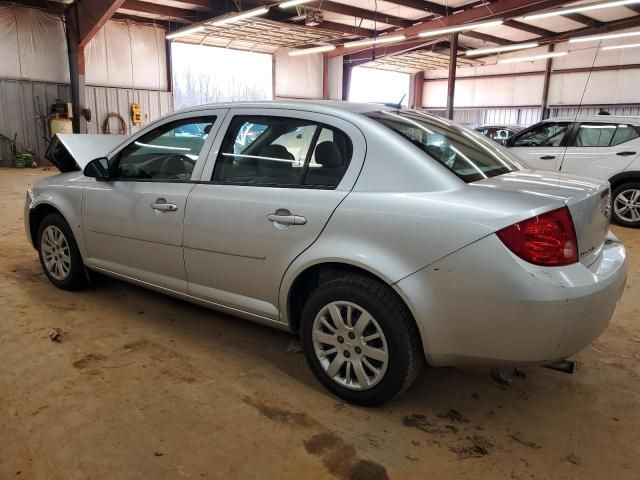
328, 155
276, 151
207, 129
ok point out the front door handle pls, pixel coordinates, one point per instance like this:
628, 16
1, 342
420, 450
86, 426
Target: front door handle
625, 154
285, 217
548, 157
161, 205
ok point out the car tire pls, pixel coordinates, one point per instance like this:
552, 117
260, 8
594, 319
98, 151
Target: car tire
621, 198
59, 255
382, 312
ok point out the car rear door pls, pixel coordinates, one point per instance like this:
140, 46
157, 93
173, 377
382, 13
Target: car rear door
542, 146
600, 149
262, 200
133, 223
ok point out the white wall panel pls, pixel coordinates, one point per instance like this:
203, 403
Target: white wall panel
606, 88
32, 45
126, 55
10, 63
298, 77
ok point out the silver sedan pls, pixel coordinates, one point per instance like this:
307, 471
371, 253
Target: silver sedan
383, 237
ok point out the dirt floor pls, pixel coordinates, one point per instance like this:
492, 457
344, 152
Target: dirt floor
147, 387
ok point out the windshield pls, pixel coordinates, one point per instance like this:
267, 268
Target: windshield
467, 154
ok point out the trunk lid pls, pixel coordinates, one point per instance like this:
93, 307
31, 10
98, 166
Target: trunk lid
69, 152
588, 201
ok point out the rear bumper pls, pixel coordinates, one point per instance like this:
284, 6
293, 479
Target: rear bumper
485, 306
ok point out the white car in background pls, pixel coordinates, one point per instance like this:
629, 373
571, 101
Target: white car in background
602, 146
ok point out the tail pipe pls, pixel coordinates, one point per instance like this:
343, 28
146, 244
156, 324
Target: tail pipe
565, 366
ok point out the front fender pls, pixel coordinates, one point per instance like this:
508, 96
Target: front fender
64, 194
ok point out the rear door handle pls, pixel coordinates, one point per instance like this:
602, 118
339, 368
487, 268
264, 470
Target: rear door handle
625, 154
161, 205
286, 218
548, 157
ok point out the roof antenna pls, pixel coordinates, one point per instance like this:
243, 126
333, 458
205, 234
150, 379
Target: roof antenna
396, 105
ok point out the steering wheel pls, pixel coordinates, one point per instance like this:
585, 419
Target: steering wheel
174, 165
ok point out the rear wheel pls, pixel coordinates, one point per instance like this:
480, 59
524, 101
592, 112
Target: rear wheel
626, 204
360, 340
59, 254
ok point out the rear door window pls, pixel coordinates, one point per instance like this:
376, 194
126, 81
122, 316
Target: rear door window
281, 151
592, 134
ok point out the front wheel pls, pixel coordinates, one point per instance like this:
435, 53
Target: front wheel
626, 204
360, 340
59, 254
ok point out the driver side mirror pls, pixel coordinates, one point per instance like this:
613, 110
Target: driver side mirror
98, 169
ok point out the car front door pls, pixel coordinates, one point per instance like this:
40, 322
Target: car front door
133, 222
601, 149
541, 146
262, 200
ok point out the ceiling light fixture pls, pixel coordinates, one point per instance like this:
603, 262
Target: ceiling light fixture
182, 33
507, 48
616, 47
533, 58
308, 51
595, 38
580, 8
240, 16
293, 3
375, 41
461, 28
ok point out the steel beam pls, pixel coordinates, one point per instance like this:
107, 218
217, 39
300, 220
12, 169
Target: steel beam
453, 65
503, 8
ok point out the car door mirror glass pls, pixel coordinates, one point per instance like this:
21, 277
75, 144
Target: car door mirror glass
98, 169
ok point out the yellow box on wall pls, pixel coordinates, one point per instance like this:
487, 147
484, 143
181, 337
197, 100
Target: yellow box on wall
136, 113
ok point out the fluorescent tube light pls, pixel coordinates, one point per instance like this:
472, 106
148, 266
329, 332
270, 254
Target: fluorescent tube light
507, 48
307, 51
182, 33
580, 8
461, 28
375, 41
293, 3
595, 38
616, 47
533, 58
240, 16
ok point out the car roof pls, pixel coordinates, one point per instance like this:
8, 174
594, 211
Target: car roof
316, 105
596, 118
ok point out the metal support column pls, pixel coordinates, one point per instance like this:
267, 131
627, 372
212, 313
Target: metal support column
545, 88
453, 63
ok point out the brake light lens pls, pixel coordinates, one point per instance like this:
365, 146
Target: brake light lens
548, 239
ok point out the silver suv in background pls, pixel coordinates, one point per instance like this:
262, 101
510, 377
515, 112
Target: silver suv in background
600, 146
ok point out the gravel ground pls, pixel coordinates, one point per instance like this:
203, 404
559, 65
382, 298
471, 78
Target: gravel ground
145, 386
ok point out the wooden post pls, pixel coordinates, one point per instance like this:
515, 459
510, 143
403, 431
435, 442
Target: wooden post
453, 63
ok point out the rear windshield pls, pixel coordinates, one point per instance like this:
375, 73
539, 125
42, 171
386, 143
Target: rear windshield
467, 154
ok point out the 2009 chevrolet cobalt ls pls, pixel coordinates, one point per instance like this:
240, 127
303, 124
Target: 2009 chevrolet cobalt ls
384, 237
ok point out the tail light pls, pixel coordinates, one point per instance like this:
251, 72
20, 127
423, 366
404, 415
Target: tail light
548, 239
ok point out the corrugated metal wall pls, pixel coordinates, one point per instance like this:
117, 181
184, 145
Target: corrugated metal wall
103, 101
24, 107
612, 109
474, 117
